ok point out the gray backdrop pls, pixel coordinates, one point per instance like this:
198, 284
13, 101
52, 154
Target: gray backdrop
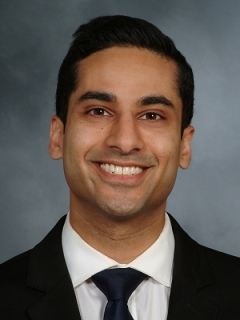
34, 38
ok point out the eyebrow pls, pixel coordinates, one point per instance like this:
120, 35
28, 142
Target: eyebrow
110, 97
98, 95
151, 100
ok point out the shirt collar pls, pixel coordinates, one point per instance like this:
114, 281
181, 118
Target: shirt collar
83, 261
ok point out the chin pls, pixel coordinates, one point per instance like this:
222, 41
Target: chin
120, 210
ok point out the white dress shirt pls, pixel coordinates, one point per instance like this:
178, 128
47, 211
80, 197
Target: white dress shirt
148, 301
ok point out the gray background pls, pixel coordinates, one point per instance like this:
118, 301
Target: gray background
34, 38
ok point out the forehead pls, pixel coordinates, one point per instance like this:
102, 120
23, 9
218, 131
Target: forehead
128, 73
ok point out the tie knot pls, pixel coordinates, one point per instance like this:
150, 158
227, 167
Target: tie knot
118, 284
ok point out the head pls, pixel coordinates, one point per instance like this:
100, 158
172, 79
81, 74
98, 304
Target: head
124, 105
121, 31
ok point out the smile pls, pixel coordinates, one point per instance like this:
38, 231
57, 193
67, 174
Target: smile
128, 171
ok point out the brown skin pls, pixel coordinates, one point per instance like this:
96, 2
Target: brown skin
125, 111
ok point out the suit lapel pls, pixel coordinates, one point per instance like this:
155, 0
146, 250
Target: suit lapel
190, 274
59, 303
48, 273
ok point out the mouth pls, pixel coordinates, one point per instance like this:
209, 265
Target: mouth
119, 170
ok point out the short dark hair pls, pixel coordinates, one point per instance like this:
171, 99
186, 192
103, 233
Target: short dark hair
121, 31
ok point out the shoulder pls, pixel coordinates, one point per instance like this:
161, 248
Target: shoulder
13, 288
21, 277
224, 291
207, 275
15, 266
14, 273
220, 265
224, 267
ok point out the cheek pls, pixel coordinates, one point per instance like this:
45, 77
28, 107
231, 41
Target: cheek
166, 149
79, 134
80, 140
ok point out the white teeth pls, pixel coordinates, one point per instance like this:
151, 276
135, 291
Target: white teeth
132, 170
137, 170
126, 170
111, 168
118, 170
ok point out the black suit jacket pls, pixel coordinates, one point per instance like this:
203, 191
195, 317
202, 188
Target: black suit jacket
36, 285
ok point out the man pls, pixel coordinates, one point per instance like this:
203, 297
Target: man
124, 105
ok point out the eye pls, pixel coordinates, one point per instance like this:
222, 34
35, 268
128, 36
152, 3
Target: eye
151, 116
98, 112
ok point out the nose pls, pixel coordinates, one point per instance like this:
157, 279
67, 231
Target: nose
124, 134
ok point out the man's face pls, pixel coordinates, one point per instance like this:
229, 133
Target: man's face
122, 144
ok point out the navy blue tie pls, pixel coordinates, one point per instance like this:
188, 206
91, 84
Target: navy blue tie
117, 285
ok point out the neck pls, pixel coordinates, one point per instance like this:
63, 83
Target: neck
122, 240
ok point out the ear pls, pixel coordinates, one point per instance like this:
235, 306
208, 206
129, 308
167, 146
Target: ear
186, 151
55, 147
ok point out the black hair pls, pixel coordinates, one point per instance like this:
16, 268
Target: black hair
121, 31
